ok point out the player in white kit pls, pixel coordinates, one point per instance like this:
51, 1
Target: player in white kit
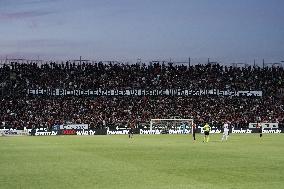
226, 132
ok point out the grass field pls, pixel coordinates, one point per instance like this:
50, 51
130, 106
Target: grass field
152, 161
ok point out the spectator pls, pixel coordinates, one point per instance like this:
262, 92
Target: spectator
18, 110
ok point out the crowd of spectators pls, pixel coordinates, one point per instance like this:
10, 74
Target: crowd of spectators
18, 110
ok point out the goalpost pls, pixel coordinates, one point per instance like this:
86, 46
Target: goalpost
2, 132
166, 124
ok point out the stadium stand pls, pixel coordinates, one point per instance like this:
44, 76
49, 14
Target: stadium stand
18, 109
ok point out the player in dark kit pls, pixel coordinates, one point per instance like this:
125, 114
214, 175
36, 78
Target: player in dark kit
260, 129
259, 126
193, 130
131, 130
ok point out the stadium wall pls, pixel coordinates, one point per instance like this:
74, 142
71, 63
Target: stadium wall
83, 132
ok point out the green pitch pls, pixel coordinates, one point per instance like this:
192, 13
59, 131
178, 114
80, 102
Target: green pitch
160, 161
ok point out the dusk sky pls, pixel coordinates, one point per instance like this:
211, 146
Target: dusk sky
224, 30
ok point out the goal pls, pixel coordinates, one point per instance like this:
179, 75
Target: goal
171, 124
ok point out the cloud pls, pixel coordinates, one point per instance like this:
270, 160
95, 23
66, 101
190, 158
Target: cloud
45, 48
16, 10
41, 43
17, 3
23, 15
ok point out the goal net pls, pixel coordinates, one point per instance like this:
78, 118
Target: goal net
171, 124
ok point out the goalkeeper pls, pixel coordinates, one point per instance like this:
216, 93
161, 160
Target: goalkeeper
207, 130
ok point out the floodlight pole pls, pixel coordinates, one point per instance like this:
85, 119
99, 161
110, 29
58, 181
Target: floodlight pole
263, 63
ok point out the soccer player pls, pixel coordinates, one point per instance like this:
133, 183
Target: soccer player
260, 129
259, 126
131, 131
226, 132
193, 130
207, 130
